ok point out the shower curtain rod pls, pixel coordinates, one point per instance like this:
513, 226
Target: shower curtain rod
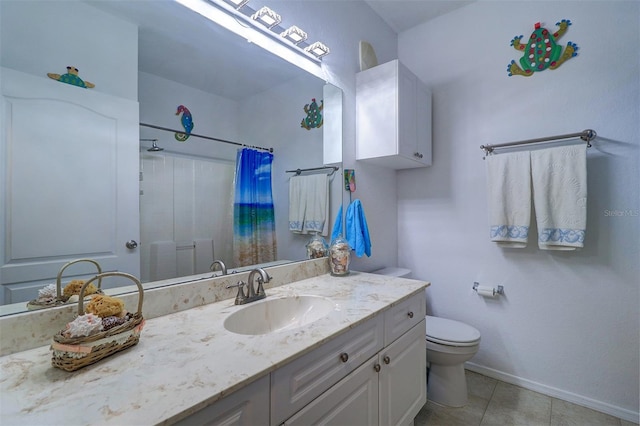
298, 171
586, 135
153, 126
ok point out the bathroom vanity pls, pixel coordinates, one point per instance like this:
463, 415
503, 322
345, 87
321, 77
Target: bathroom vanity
363, 361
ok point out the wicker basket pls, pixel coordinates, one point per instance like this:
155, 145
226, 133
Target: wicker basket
73, 353
60, 298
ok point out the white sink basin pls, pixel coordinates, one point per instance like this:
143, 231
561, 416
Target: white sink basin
277, 314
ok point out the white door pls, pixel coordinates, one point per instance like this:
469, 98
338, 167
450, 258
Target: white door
69, 159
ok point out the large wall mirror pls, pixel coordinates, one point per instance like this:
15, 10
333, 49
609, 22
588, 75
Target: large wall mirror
127, 204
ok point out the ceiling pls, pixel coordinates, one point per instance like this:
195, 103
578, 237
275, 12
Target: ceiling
212, 59
404, 14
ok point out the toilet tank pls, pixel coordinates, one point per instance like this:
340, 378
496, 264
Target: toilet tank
393, 271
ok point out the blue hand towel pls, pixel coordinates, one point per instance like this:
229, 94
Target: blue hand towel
357, 229
337, 225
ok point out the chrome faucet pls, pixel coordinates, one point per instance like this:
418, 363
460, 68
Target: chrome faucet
221, 264
252, 294
263, 278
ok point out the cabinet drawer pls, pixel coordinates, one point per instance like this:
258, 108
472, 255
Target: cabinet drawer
301, 381
248, 406
403, 316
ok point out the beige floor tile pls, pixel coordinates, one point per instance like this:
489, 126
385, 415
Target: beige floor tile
433, 414
515, 406
479, 385
567, 414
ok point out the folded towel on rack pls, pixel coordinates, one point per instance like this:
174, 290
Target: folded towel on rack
357, 229
309, 204
509, 192
560, 196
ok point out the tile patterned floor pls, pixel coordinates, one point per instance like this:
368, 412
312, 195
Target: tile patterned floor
495, 403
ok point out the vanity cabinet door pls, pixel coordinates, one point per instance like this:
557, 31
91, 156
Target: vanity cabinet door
247, 407
352, 401
403, 377
306, 378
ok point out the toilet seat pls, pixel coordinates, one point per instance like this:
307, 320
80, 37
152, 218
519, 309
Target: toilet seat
450, 332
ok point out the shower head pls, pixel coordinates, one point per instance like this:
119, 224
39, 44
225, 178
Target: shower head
154, 145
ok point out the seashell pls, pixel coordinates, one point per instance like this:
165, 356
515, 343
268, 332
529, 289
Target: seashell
84, 325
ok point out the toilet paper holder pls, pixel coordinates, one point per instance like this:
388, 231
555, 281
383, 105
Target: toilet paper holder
498, 290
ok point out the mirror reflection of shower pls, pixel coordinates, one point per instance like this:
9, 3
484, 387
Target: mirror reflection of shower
154, 145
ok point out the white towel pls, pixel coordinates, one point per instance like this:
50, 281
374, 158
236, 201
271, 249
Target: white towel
560, 196
509, 191
309, 204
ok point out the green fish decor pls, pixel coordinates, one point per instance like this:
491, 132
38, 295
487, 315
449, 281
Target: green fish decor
314, 115
541, 51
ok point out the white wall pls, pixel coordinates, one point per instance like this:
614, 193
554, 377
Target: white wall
341, 25
568, 324
55, 34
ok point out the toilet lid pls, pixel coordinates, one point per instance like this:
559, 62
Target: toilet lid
450, 332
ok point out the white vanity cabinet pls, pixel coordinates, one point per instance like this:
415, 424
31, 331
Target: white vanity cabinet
387, 389
373, 374
393, 117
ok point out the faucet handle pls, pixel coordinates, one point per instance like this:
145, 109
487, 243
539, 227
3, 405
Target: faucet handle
241, 296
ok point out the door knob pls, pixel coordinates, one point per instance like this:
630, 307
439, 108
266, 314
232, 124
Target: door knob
131, 244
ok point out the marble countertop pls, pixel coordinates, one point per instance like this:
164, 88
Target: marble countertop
184, 361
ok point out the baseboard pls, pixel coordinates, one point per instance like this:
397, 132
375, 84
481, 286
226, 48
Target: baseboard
603, 407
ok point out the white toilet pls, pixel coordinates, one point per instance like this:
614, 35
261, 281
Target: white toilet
449, 345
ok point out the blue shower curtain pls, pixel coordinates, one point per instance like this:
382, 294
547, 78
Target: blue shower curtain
254, 233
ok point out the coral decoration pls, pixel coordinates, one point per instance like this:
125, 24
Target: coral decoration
541, 51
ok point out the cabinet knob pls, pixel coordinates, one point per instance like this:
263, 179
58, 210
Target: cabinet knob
344, 357
410, 314
377, 368
386, 360
417, 155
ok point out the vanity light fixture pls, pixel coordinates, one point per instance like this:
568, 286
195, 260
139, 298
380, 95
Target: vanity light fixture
318, 49
294, 34
266, 17
223, 13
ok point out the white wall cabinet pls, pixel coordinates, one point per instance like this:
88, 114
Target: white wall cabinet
393, 117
